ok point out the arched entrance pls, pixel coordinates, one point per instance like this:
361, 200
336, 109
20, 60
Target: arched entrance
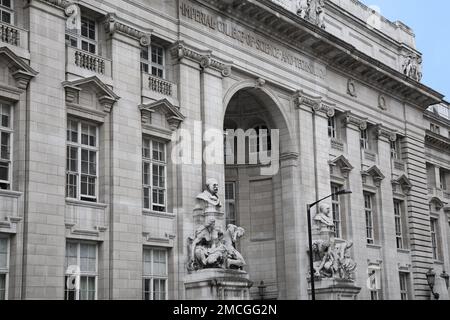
254, 200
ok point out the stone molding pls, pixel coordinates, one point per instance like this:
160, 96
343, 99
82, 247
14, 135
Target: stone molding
383, 132
375, 173
113, 25
20, 71
350, 119
180, 50
173, 116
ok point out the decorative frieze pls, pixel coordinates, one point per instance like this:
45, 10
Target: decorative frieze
204, 58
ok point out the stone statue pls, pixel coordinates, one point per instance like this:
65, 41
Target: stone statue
346, 265
324, 218
209, 196
333, 260
325, 265
234, 257
212, 248
313, 11
203, 244
412, 67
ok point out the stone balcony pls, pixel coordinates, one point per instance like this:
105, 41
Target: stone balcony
13, 37
156, 88
87, 64
9, 210
85, 219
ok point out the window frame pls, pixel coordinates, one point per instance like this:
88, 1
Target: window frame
404, 285
398, 224
150, 64
83, 274
79, 146
10, 132
151, 162
10, 10
332, 127
337, 214
395, 150
434, 233
230, 201
364, 139
369, 217
5, 271
151, 277
79, 38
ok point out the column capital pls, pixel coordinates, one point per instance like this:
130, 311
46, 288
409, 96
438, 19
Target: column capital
205, 58
383, 132
352, 120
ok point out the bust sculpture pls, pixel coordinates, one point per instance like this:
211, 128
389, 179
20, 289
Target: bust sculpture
209, 196
323, 217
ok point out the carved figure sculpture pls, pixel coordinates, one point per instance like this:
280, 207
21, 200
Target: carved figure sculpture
234, 257
323, 218
302, 8
209, 196
412, 67
313, 11
346, 265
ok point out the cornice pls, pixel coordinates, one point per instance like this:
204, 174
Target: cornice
180, 50
113, 25
352, 119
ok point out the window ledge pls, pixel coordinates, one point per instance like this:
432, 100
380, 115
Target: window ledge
88, 204
373, 246
10, 193
407, 251
151, 213
438, 262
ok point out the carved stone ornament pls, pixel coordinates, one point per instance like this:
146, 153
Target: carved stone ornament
382, 102
312, 11
351, 119
324, 217
333, 260
383, 132
303, 99
351, 88
112, 25
73, 13
204, 58
260, 82
412, 67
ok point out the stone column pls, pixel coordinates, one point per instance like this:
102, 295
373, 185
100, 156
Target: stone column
356, 218
44, 228
391, 281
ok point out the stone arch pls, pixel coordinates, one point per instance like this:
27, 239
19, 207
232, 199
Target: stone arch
269, 100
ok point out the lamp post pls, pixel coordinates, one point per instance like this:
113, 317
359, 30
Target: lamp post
308, 209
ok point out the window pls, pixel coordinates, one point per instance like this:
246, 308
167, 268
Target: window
364, 139
435, 128
395, 150
154, 175
368, 207
404, 287
6, 11
152, 60
4, 268
230, 203
84, 39
83, 256
398, 209
336, 206
332, 133
5, 145
434, 238
82, 161
259, 141
442, 179
155, 274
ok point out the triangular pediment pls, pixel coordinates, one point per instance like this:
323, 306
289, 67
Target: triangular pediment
342, 162
375, 173
403, 182
173, 115
106, 96
20, 70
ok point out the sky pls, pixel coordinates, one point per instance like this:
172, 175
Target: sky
430, 21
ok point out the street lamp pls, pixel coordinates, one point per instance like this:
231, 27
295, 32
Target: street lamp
431, 278
308, 208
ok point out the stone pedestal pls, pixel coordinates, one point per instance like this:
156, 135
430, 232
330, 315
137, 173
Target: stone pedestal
200, 215
217, 284
335, 289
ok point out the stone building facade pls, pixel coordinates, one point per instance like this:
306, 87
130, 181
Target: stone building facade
95, 94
